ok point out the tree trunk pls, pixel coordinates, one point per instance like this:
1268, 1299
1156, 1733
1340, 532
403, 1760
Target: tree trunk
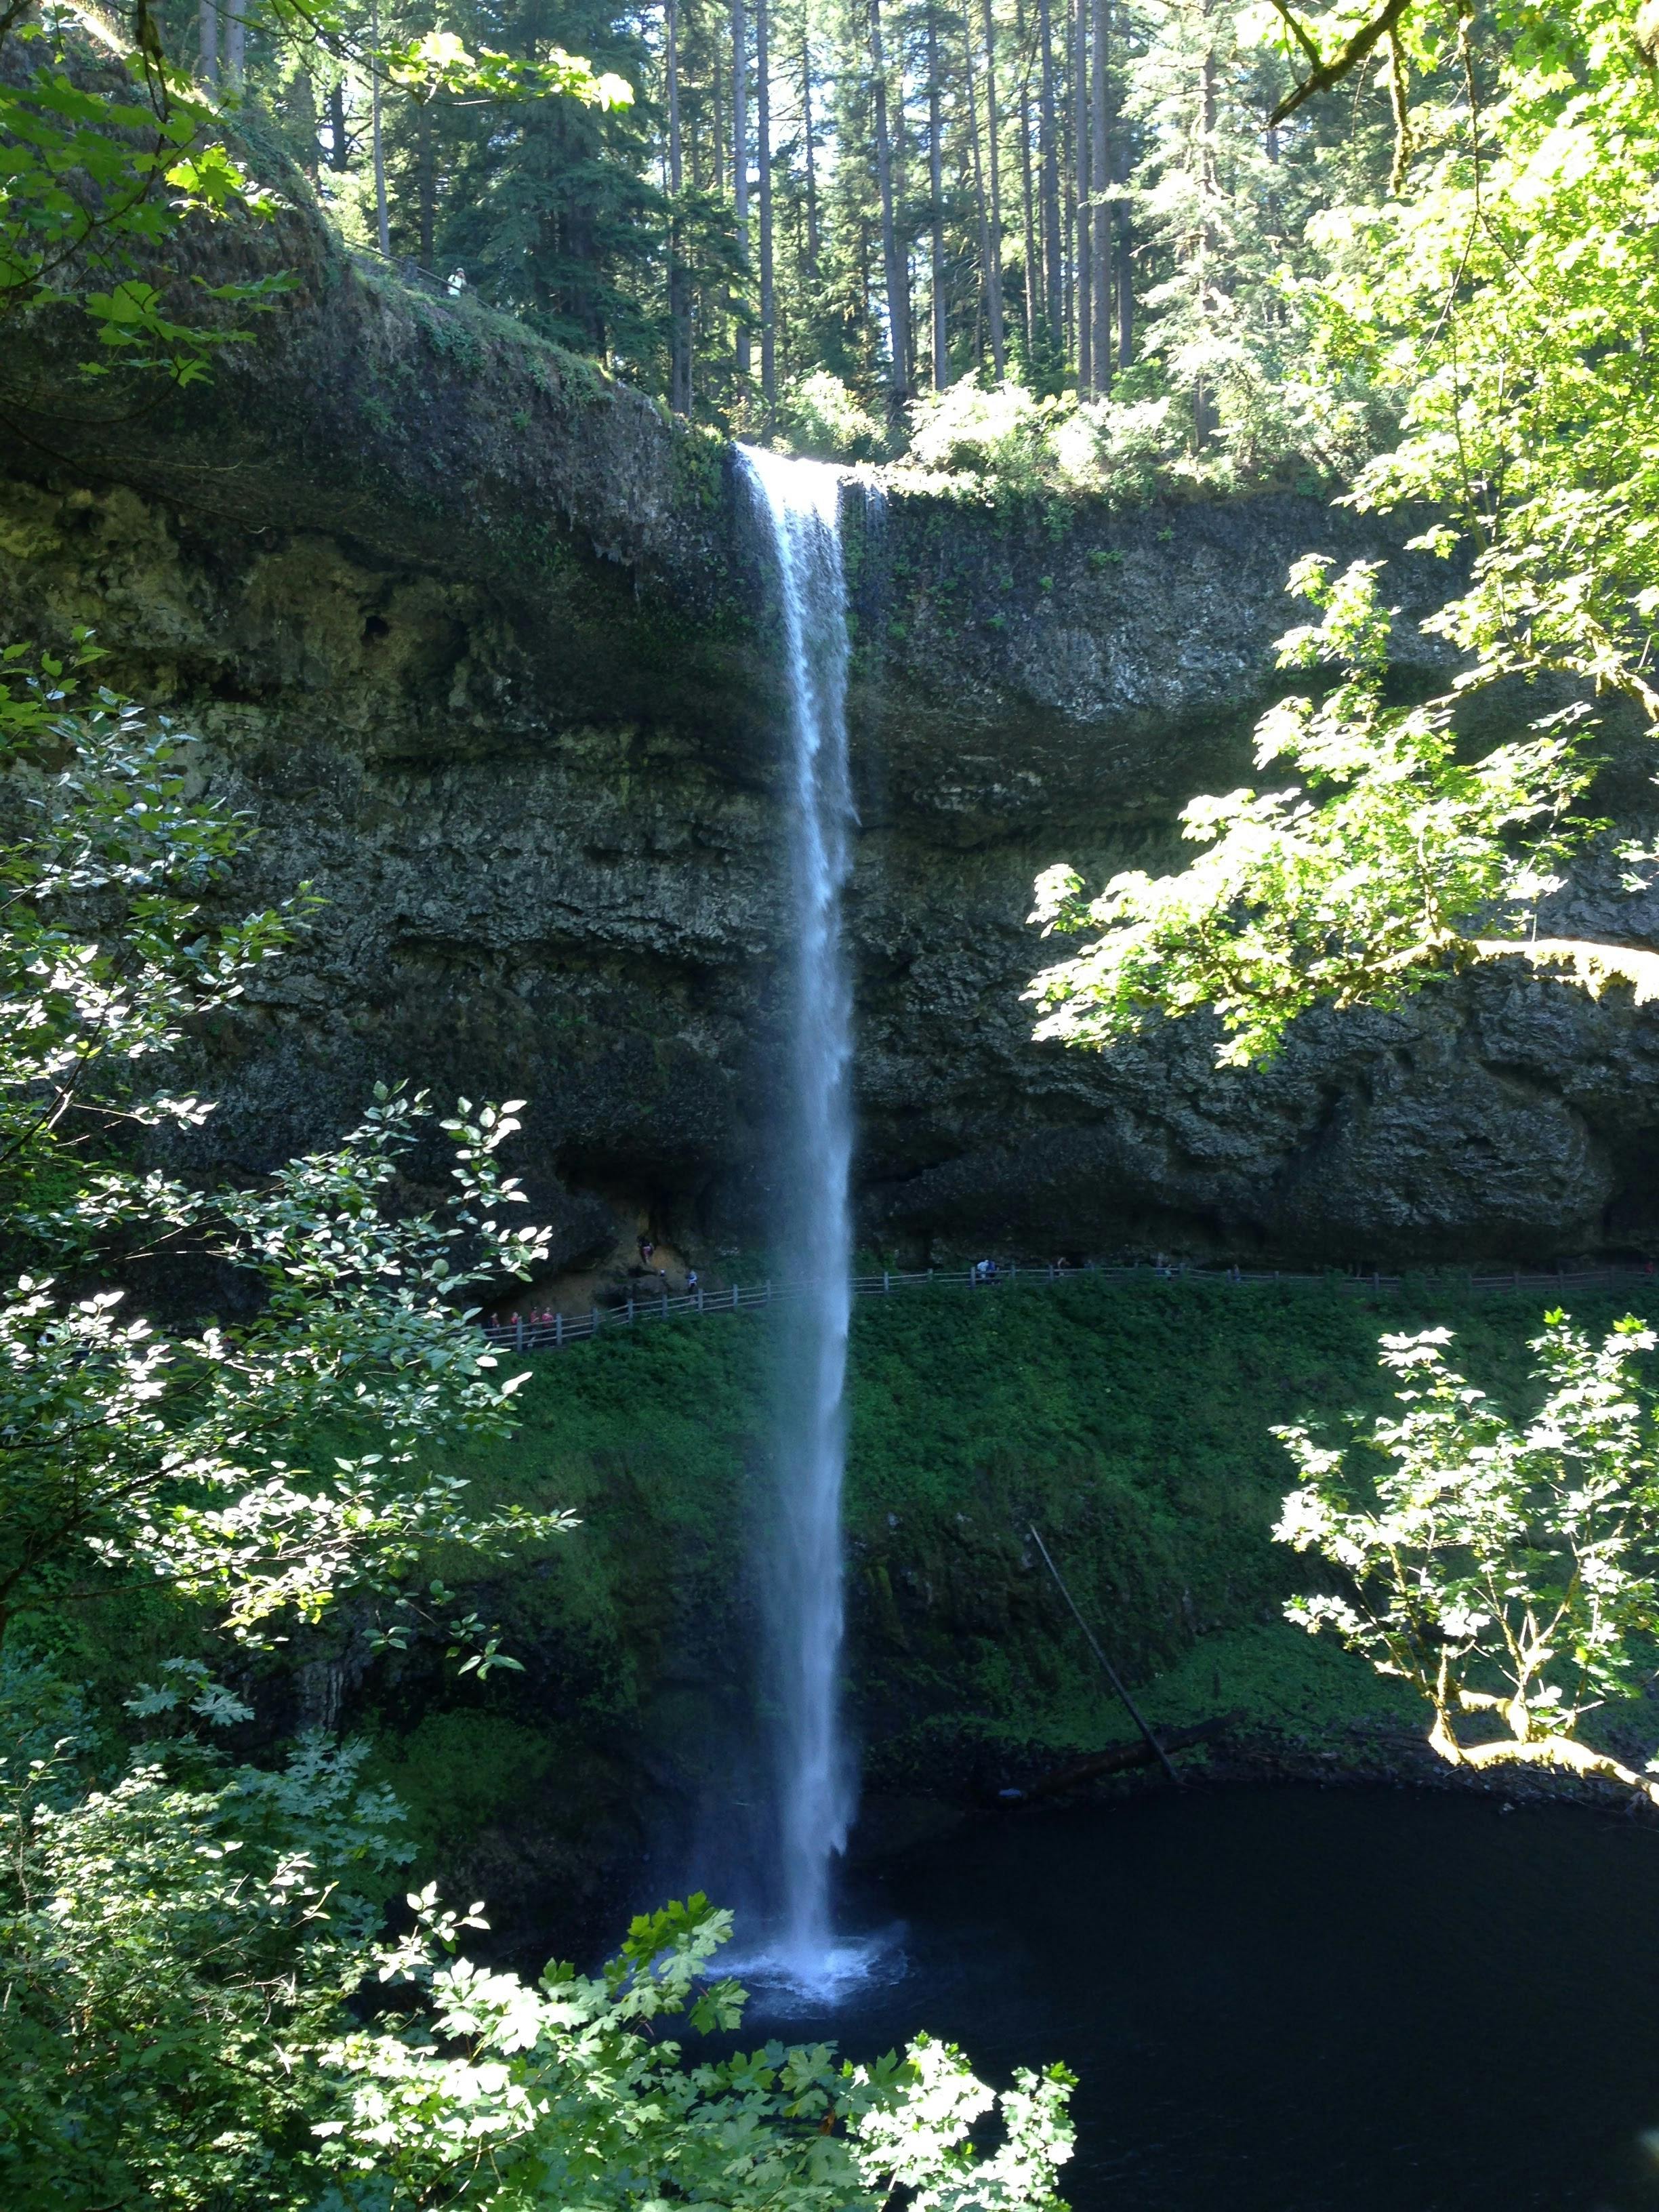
740, 153
993, 245
1203, 403
936, 194
769, 302
1100, 170
1083, 232
208, 26
717, 165
812, 163
382, 222
899, 315
1027, 192
1049, 147
680, 317
339, 146
236, 44
301, 97
427, 147
1124, 226
717, 109
899, 117
987, 247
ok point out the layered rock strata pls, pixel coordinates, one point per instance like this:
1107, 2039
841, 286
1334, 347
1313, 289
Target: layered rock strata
480, 640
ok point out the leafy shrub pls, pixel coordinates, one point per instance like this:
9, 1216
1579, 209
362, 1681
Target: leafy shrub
822, 416
177, 2033
998, 431
1004, 441
1117, 449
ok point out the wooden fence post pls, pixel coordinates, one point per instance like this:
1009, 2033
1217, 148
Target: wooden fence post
519, 1319
558, 1328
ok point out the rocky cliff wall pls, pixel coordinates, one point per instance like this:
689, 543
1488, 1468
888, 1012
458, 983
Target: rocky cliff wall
481, 641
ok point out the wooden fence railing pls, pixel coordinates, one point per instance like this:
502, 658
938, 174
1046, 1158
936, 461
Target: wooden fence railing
524, 1333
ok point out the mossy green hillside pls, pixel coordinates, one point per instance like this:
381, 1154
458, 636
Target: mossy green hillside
1130, 1422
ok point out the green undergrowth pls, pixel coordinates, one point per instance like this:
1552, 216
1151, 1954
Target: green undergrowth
1129, 1422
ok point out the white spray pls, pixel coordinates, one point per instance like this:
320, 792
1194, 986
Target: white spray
813, 1779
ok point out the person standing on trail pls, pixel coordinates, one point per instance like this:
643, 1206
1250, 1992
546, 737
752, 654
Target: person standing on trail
647, 1248
690, 1282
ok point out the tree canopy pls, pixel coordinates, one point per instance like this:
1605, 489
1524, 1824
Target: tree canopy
1493, 305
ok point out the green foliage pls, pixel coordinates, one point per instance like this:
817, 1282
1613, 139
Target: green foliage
1499, 1568
1003, 442
995, 435
172, 1946
97, 794
1356, 887
438, 61
1496, 307
179, 1955
1226, 216
550, 206
1502, 304
197, 2009
819, 415
103, 166
570, 2094
1133, 1422
111, 157
455, 1770
175, 1454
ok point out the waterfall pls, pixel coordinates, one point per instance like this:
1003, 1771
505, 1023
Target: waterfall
813, 1779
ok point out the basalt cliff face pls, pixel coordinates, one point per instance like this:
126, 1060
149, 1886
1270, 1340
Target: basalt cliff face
479, 638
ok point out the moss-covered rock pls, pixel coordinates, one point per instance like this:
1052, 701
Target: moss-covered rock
1130, 1423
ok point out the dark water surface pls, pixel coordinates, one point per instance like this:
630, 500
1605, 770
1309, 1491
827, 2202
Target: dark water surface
1295, 2000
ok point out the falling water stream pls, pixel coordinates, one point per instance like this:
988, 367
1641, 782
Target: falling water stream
1285, 2000
812, 1782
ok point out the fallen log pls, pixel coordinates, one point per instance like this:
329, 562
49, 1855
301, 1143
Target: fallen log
1121, 1757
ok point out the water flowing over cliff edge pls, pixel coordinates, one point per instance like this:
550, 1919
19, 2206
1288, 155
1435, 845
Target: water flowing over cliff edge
473, 632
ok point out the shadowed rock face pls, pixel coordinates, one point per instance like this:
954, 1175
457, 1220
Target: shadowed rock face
480, 641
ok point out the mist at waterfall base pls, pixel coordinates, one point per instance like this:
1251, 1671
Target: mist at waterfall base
806, 1798
1281, 1998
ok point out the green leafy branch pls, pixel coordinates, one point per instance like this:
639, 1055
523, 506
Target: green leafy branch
1506, 1572
1357, 885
